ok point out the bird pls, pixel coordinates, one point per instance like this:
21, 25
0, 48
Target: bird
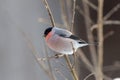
62, 41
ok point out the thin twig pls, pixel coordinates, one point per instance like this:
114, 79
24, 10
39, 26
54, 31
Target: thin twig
63, 76
49, 12
108, 22
110, 33
108, 15
89, 34
106, 77
91, 4
42, 20
83, 14
85, 60
113, 10
88, 76
100, 38
73, 15
74, 55
74, 73
34, 52
70, 67
64, 14
115, 66
49, 64
111, 22
45, 21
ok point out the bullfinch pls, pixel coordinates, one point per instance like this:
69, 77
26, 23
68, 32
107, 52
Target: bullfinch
62, 41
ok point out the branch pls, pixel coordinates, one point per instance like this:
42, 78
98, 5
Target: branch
89, 34
34, 52
45, 21
85, 60
71, 68
113, 10
100, 38
108, 22
83, 14
91, 4
49, 64
49, 12
64, 14
88, 76
73, 14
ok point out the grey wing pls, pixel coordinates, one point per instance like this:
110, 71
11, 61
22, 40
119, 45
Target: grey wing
67, 34
62, 32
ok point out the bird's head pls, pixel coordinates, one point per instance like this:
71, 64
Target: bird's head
47, 31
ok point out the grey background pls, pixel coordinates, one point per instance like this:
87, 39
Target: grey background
16, 59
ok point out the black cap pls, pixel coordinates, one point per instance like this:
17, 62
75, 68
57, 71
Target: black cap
47, 31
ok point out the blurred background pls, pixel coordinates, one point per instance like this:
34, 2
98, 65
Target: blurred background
22, 45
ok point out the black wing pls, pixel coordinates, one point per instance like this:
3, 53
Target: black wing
76, 38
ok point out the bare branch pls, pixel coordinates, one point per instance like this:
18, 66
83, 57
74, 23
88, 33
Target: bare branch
108, 34
58, 71
85, 60
91, 4
88, 76
64, 14
70, 67
89, 35
108, 22
83, 14
113, 10
112, 22
100, 22
34, 52
45, 21
73, 15
49, 12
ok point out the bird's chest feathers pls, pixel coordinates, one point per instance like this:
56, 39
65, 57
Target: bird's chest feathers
48, 36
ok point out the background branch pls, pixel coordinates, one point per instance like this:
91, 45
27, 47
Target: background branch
100, 38
49, 12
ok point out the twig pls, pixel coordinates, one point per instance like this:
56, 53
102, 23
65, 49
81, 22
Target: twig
113, 10
73, 15
100, 38
34, 52
110, 33
115, 66
111, 22
108, 15
88, 76
49, 64
91, 4
42, 20
74, 74
57, 70
83, 14
70, 67
89, 34
108, 22
45, 21
86, 61
107, 78
64, 14
74, 55
49, 12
